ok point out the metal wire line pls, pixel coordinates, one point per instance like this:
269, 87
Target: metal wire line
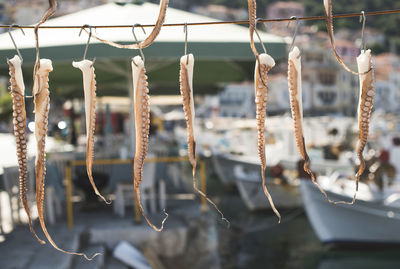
347, 15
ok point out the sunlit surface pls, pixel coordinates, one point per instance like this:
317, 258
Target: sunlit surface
5, 219
31, 126
62, 125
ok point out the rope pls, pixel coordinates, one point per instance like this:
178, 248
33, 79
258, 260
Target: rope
347, 15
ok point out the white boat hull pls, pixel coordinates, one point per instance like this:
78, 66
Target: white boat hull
363, 222
223, 168
244, 171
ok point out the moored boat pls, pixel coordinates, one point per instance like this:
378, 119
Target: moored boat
244, 171
374, 218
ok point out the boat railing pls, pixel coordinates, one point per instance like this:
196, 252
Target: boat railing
391, 199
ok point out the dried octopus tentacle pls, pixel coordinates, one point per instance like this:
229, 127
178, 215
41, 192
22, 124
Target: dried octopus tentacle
186, 88
42, 105
264, 63
252, 24
49, 12
149, 40
142, 126
366, 99
19, 114
89, 87
329, 27
252, 7
296, 104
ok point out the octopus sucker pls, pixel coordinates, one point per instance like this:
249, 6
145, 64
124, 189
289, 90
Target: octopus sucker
19, 119
150, 39
142, 118
365, 104
42, 105
263, 64
89, 87
329, 27
296, 105
186, 88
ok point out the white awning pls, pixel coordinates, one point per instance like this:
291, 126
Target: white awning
129, 14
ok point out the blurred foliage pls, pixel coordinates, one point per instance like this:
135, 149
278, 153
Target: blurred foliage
5, 107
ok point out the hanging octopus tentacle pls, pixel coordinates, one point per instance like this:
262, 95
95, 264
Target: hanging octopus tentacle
366, 100
186, 88
89, 87
263, 65
149, 40
142, 126
329, 27
296, 104
17, 88
49, 12
42, 105
252, 24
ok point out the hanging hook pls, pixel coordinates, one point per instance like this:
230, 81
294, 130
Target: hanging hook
49, 12
12, 39
363, 18
185, 30
87, 43
295, 31
137, 41
258, 35
15, 45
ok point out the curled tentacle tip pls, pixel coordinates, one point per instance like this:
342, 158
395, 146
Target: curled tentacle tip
162, 223
343, 202
228, 223
93, 256
279, 217
165, 219
108, 202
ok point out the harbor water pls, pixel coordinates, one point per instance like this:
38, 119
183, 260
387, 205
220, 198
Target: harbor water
256, 240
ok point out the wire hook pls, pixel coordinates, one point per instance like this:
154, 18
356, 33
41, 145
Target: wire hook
137, 41
363, 18
185, 30
258, 35
295, 31
88, 41
15, 45
12, 39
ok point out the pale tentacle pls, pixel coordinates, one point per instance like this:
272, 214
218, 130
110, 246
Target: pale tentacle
42, 105
149, 40
186, 88
17, 88
296, 104
252, 24
89, 87
366, 100
49, 12
329, 27
142, 125
263, 64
